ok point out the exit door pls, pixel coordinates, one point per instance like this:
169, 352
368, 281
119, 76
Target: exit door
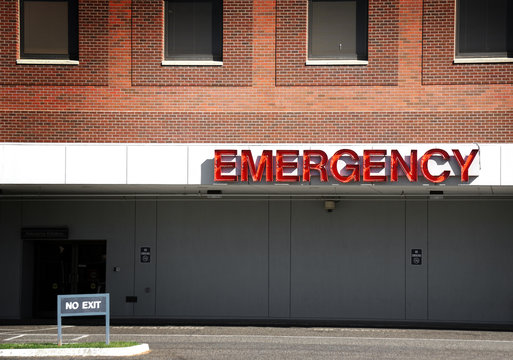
66, 267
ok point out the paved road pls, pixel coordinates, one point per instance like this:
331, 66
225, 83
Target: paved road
223, 343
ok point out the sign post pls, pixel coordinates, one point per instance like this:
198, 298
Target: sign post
83, 305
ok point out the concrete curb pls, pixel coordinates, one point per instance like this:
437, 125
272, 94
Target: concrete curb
119, 351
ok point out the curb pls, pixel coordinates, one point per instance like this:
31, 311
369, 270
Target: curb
119, 351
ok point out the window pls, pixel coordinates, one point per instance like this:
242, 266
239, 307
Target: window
337, 29
484, 28
194, 30
49, 29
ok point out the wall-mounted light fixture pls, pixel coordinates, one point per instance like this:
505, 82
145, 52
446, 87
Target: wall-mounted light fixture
436, 195
329, 205
214, 194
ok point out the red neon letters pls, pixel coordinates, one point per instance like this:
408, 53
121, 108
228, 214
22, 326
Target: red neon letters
424, 165
409, 171
368, 165
281, 165
373, 165
320, 166
355, 168
219, 165
465, 164
246, 160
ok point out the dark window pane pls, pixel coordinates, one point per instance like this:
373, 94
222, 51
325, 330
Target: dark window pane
194, 29
484, 27
181, 23
203, 27
45, 27
337, 29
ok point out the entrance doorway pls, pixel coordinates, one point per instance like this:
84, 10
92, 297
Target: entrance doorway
66, 267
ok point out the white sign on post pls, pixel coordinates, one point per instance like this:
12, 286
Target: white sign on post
83, 305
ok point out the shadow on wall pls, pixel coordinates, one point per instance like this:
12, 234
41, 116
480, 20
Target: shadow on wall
207, 172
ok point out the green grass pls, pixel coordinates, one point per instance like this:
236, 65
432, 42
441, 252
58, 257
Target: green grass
78, 345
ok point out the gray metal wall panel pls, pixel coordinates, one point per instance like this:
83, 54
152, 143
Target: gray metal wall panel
416, 275
232, 259
145, 273
470, 261
348, 264
10, 248
279, 259
212, 258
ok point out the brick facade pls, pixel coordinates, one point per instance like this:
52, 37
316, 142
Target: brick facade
264, 127
148, 48
93, 50
409, 92
291, 49
438, 49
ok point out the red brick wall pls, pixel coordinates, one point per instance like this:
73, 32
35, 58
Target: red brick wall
265, 127
93, 50
399, 97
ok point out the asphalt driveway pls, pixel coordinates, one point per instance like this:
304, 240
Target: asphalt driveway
265, 343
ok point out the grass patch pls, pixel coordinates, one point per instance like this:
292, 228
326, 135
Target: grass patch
78, 345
